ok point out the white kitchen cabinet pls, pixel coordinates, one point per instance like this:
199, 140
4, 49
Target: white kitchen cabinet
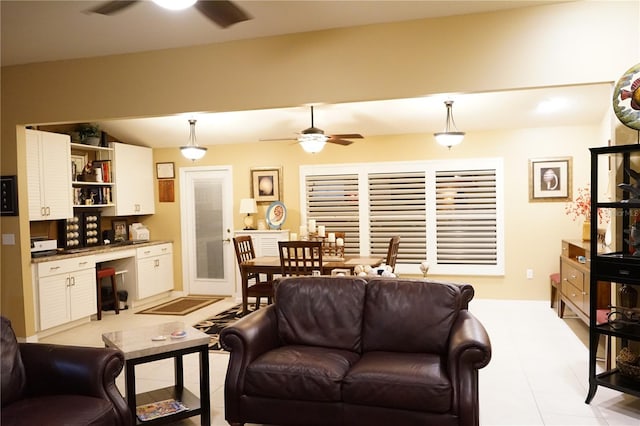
66, 290
49, 175
154, 270
265, 243
133, 178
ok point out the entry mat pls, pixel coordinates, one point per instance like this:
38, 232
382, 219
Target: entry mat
182, 305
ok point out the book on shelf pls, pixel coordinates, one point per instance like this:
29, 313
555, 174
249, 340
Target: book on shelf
159, 409
105, 167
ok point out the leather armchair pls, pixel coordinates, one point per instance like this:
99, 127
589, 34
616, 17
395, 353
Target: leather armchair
44, 384
350, 351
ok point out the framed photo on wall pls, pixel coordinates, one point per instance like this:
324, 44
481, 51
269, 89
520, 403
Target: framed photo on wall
165, 170
266, 184
550, 179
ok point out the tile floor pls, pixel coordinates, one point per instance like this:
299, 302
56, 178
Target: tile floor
538, 374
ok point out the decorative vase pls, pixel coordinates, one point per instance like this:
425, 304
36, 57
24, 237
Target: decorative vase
628, 296
586, 230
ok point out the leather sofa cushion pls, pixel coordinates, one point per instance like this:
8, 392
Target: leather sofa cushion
59, 410
320, 311
304, 373
409, 315
407, 381
13, 376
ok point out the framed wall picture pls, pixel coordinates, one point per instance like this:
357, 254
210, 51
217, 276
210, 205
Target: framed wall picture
120, 232
266, 184
165, 171
550, 179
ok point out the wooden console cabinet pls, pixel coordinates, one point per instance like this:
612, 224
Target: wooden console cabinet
575, 279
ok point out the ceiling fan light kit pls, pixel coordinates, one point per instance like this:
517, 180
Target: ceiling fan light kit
223, 12
175, 4
192, 151
449, 137
312, 142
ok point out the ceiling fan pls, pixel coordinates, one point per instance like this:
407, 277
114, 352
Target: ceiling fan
313, 139
223, 12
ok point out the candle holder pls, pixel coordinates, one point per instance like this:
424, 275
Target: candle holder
329, 248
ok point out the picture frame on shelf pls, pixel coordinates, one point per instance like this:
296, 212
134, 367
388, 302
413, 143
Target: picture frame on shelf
266, 184
550, 179
165, 170
77, 165
120, 231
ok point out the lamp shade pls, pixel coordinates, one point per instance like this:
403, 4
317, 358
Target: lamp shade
248, 206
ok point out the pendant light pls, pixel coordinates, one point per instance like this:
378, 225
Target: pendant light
192, 151
451, 136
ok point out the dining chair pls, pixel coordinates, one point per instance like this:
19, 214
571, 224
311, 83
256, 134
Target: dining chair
243, 245
300, 257
392, 252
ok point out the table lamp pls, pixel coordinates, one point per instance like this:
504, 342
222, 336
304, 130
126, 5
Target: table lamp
248, 206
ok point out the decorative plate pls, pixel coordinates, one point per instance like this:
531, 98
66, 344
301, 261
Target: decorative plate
276, 215
626, 98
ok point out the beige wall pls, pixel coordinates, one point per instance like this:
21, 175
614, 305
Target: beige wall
578, 42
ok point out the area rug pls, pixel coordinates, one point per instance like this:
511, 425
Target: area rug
182, 305
212, 326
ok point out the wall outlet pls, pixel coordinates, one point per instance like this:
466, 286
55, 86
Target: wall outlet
529, 274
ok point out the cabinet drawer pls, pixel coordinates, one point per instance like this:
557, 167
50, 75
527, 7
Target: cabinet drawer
573, 276
64, 266
151, 251
617, 270
574, 295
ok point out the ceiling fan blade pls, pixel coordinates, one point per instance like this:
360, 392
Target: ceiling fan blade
223, 12
348, 136
111, 7
339, 141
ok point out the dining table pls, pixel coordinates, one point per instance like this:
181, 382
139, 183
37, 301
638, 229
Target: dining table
270, 266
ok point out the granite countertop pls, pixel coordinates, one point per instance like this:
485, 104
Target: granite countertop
87, 251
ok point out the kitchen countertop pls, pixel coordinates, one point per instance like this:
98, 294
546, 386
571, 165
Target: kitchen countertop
87, 251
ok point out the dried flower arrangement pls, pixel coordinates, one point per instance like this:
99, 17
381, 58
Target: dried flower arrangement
581, 207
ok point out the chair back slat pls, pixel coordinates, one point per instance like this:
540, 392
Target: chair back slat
300, 257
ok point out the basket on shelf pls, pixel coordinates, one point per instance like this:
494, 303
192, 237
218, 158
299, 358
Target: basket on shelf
626, 362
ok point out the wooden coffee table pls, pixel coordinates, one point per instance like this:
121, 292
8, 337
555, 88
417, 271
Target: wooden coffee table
139, 346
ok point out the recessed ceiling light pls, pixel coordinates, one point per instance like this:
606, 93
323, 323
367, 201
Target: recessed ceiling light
552, 105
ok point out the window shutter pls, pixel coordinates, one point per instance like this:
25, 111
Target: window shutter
397, 207
333, 201
466, 217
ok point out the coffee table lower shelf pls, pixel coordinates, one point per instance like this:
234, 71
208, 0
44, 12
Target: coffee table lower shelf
185, 396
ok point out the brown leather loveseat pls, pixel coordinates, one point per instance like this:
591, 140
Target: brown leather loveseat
350, 351
45, 384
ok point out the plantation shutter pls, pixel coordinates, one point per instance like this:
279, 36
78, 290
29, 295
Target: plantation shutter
397, 207
333, 201
466, 217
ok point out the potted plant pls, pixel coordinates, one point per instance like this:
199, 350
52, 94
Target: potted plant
90, 134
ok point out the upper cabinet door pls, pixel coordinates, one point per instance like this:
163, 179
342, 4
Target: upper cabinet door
133, 177
49, 175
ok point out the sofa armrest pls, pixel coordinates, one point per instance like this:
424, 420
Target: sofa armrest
59, 369
246, 339
469, 351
